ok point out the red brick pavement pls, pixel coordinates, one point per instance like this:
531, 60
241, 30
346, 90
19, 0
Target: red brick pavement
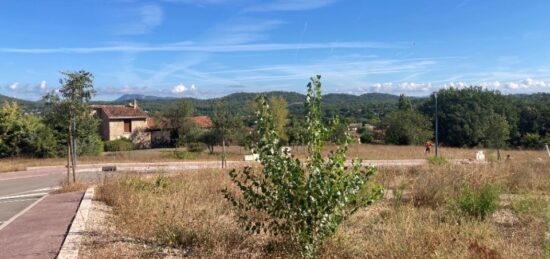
39, 232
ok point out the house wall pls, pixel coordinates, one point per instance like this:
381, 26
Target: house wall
116, 128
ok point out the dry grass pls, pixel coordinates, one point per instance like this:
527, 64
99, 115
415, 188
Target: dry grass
72, 187
142, 156
373, 152
186, 211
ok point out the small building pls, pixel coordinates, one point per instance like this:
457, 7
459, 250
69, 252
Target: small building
120, 121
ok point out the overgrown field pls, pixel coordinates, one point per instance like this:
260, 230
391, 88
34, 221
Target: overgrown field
237, 153
497, 210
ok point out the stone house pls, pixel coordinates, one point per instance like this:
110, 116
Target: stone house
121, 121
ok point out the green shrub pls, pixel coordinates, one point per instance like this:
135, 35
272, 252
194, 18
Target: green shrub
478, 202
531, 140
122, 144
303, 203
366, 138
437, 160
196, 147
90, 145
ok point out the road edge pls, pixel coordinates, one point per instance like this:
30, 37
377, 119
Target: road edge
73, 239
7, 222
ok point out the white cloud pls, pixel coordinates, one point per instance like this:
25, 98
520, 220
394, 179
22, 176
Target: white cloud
209, 48
43, 85
240, 31
289, 5
180, 89
14, 86
526, 85
142, 20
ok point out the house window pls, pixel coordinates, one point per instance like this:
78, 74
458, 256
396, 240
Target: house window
127, 126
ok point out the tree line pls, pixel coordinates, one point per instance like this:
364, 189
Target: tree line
468, 117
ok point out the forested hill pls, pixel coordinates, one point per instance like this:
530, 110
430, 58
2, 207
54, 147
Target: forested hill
28, 106
366, 106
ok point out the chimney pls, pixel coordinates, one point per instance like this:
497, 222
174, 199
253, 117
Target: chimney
135, 104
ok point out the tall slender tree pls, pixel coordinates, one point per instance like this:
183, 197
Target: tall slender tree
224, 123
71, 105
279, 109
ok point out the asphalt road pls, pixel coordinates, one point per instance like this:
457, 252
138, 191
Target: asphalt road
20, 189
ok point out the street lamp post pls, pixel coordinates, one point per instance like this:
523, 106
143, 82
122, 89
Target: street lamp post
436, 126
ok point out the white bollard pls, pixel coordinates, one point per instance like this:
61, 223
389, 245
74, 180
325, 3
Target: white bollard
480, 156
253, 157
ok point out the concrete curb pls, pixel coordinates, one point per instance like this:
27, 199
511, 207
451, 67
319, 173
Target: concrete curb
7, 222
71, 245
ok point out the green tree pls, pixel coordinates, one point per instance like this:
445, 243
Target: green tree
279, 108
464, 114
224, 124
179, 120
407, 128
305, 203
404, 103
68, 111
24, 134
497, 133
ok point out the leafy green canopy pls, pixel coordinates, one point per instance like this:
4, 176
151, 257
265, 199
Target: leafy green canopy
24, 135
305, 203
72, 103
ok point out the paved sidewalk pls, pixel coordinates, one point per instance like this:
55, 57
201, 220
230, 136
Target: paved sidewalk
39, 232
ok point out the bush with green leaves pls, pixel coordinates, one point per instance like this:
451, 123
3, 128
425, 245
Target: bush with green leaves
122, 144
302, 202
531, 140
24, 135
478, 202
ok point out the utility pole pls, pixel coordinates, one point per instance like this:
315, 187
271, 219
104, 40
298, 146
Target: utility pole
436, 126
74, 149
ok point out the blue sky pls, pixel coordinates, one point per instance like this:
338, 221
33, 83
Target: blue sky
209, 48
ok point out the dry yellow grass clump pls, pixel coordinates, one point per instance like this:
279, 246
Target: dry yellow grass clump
418, 218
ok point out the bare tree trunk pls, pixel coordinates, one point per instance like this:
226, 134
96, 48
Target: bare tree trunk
73, 145
223, 153
498, 154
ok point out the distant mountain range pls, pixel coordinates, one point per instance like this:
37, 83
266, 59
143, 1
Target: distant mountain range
369, 105
131, 97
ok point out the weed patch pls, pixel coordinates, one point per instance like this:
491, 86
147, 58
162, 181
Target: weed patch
478, 203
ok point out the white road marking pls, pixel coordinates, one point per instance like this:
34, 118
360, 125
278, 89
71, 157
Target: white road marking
6, 223
37, 190
38, 195
17, 200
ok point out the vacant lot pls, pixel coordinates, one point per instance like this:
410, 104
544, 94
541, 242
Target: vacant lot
237, 153
497, 210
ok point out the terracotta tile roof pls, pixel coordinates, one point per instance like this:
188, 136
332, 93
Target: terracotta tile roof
202, 121
121, 111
